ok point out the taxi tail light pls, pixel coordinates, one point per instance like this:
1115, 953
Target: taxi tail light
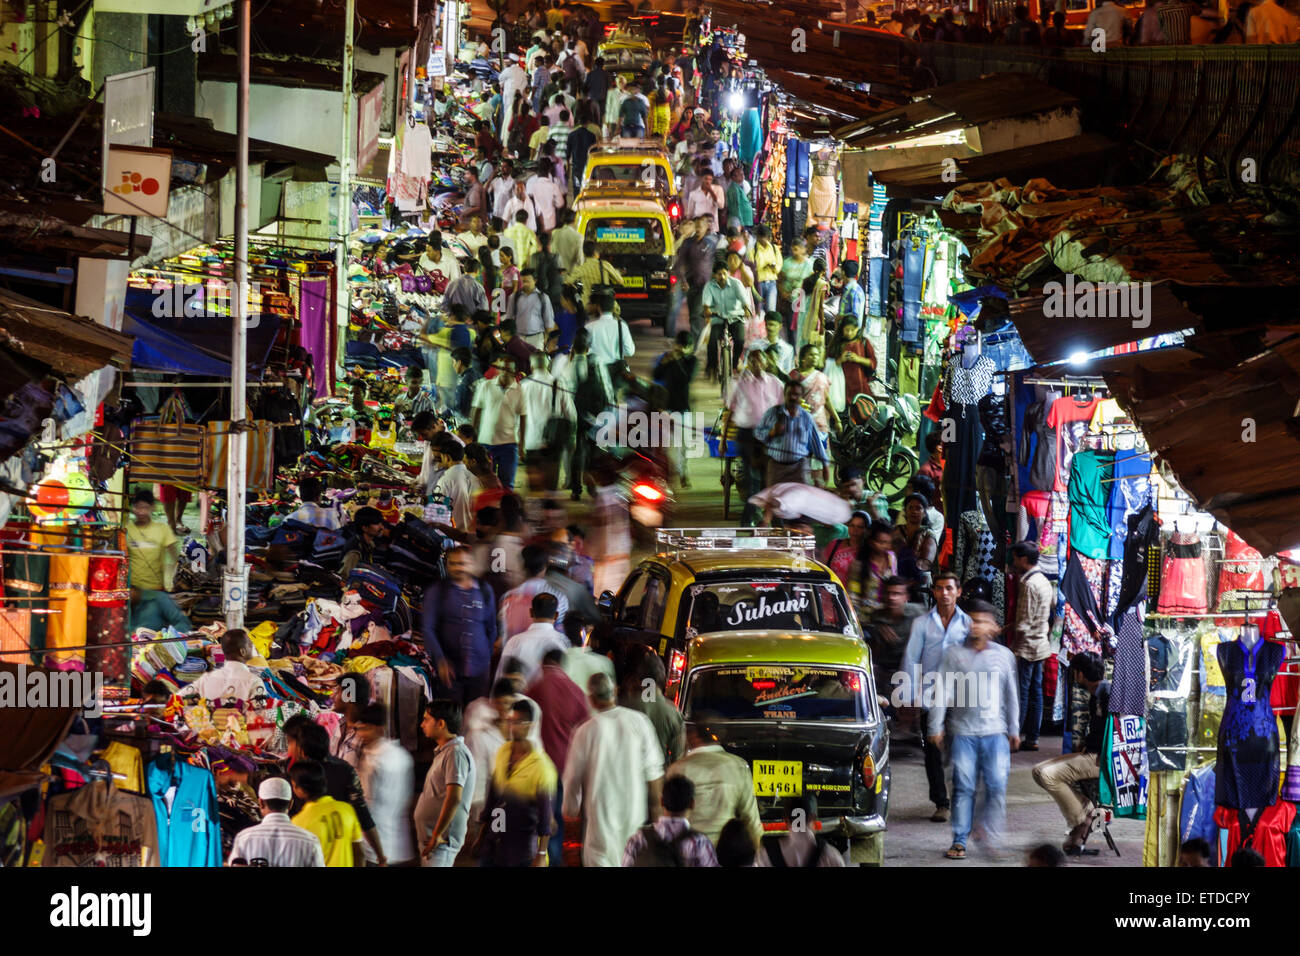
672, 280
647, 492
868, 771
675, 210
676, 664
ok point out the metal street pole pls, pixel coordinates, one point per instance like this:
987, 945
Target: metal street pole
235, 592
344, 214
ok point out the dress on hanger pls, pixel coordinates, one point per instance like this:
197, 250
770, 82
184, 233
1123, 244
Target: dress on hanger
966, 386
1182, 580
1246, 774
1242, 570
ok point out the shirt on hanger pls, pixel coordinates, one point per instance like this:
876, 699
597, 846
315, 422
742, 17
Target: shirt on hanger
1069, 420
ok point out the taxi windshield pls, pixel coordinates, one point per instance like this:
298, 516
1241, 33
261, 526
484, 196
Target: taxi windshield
768, 606
626, 236
777, 692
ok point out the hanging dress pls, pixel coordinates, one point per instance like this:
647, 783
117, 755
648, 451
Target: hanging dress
1182, 587
1242, 571
966, 386
1246, 774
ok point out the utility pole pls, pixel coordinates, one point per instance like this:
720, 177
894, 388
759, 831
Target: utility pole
341, 291
235, 592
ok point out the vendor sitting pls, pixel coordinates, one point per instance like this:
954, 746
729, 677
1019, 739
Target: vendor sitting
233, 679
156, 610
1062, 776
312, 512
369, 528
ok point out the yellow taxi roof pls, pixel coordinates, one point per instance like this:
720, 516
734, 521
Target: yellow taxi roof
778, 647
607, 206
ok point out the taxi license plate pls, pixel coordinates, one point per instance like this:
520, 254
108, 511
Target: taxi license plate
778, 778
633, 282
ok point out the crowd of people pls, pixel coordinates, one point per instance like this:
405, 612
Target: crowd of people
1161, 23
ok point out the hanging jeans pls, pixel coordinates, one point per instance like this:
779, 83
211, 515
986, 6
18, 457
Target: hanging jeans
877, 286
913, 277
989, 757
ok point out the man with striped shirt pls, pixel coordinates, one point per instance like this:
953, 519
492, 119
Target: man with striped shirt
789, 436
1176, 20
276, 841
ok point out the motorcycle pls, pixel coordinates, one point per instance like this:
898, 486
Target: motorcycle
872, 443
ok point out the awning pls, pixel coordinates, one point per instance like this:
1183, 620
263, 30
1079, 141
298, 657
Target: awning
1073, 163
1052, 337
69, 344
1228, 429
159, 351
28, 735
957, 106
210, 335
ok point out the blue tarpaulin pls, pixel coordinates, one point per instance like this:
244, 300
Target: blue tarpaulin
201, 337
159, 351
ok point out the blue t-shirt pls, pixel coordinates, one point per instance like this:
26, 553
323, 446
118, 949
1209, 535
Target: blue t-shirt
460, 625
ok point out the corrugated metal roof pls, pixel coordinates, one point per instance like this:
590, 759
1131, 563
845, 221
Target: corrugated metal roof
69, 344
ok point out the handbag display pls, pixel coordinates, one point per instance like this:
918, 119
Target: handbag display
259, 465
167, 451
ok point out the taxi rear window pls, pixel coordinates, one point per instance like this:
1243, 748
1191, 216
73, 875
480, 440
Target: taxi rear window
778, 692
626, 236
767, 606
637, 172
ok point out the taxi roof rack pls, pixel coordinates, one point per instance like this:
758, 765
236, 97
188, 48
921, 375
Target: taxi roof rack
733, 539
630, 144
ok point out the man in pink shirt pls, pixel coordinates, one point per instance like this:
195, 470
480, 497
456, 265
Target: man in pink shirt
564, 706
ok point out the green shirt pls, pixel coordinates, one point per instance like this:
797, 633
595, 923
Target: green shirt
792, 275
155, 610
1089, 525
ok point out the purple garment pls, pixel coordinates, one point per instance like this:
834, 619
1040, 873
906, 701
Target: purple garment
313, 310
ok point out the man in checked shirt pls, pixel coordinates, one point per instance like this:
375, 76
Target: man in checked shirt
789, 436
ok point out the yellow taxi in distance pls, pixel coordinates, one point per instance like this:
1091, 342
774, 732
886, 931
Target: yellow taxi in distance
801, 709
626, 54
629, 161
720, 580
632, 233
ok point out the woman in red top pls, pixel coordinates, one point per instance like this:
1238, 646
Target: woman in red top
856, 359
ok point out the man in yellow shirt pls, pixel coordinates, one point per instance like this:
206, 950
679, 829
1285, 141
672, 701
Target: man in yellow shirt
150, 545
334, 822
767, 266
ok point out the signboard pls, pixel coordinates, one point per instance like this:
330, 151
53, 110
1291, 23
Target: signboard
128, 112
619, 234
438, 62
369, 112
137, 181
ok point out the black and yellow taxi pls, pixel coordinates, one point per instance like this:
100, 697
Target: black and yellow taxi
628, 161
632, 232
627, 53
800, 708
711, 580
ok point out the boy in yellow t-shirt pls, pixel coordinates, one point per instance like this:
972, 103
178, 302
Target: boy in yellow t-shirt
334, 822
150, 545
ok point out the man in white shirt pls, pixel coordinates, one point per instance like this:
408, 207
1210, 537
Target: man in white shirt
613, 776
530, 645
753, 392
521, 202
276, 841
312, 512
705, 199
500, 421
457, 484
1271, 22
438, 262
566, 242
547, 196
514, 79
501, 188
387, 775
233, 680
1108, 17
611, 339
473, 238
780, 352
515, 615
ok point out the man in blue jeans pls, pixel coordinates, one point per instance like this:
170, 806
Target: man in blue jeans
980, 700
1028, 637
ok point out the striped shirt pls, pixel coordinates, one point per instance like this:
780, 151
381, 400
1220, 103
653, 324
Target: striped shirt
1176, 21
277, 842
798, 442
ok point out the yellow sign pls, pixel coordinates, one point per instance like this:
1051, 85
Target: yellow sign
633, 282
778, 778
